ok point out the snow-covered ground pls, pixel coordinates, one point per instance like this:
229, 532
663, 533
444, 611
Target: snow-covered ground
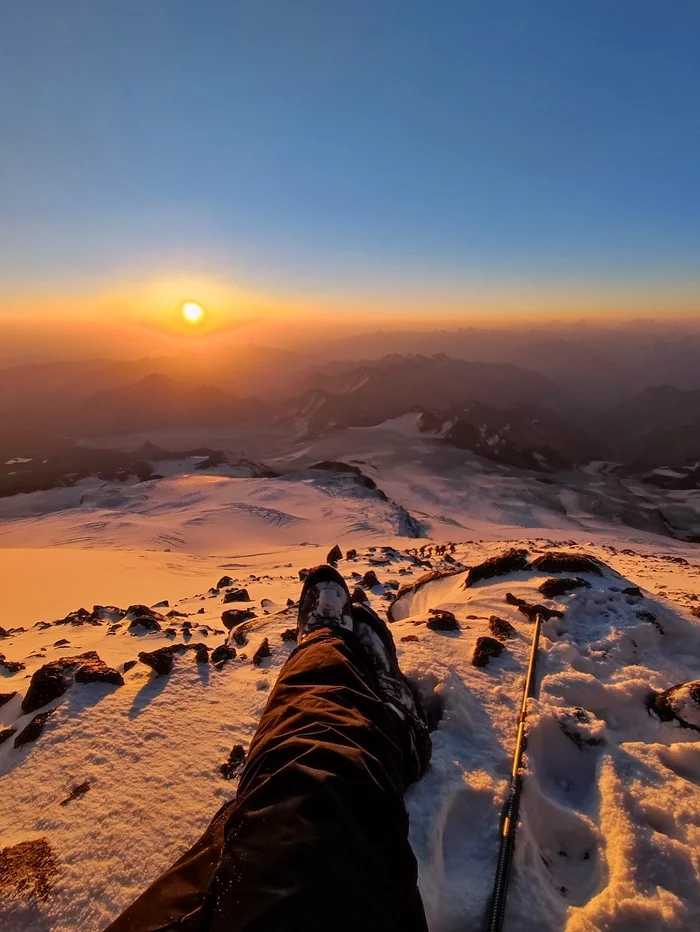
610, 828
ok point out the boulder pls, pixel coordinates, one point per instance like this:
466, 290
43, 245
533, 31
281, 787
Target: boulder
442, 620
236, 595
290, 635
351, 554
224, 582
369, 580
262, 652
358, 595
161, 660
334, 555
145, 623
235, 616
222, 654
53, 679
485, 649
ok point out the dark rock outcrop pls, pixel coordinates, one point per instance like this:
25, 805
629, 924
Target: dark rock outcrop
512, 561
5, 698
290, 635
500, 628
370, 579
224, 582
351, 554
6, 733
551, 588
358, 596
410, 637
12, 666
560, 562
485, 649
145, 623
161, 660
54, 678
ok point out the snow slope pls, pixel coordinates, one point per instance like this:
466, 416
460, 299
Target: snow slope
610, 830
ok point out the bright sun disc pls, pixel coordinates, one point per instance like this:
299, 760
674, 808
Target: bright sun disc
192, 312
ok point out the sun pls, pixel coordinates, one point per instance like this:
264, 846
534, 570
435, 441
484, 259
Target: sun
192, 312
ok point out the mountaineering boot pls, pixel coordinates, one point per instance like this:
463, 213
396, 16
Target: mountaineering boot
324, 602
395, 689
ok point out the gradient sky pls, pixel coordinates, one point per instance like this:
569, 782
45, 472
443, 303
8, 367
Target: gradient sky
312, 149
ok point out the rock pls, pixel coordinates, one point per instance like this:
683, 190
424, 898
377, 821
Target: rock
161, 660
163, 604
201, 653
514, 600
634, 591
224, 582
290, 603
27, 870
200, 611
32, 731
61, 642
80, 789
442, 620
262, 652
358, 596
95, 670
235, 616
222, 654
512, 561
679, 703
532, 611
240, 636
236, 759
6, 733
5, 698
410, 637
289, 635
173, 613
53, 679
551, 588
4, 633
370, 579
145, 622
500, 628
652, 619
303, 574
129, 664
334, 555
559, 562
12, 666
141, 610
351, 554
236, 595
485, 649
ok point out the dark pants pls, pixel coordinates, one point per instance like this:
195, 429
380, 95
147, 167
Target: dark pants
317, 837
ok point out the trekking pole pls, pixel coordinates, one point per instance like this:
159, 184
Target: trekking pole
509, 823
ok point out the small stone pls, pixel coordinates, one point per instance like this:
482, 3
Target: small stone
334, 555
5, 698
551, 588
236, 759
163, 604
289, 635
200, 611
369, 580
201, 653
128, 665
61, 642
174, 613
532, 611
32, 731
514, 600
485, 649
12, 666
351, 554
633, 591
161, 660
410, 637
145, 622
224, 582
80, 789
358, 595
262, 652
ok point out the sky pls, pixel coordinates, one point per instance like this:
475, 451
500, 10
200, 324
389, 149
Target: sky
363, 156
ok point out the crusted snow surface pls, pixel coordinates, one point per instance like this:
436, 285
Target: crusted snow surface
610, 818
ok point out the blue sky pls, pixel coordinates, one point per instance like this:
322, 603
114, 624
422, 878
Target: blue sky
311, 147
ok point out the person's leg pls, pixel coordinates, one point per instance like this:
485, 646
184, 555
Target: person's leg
317, 835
